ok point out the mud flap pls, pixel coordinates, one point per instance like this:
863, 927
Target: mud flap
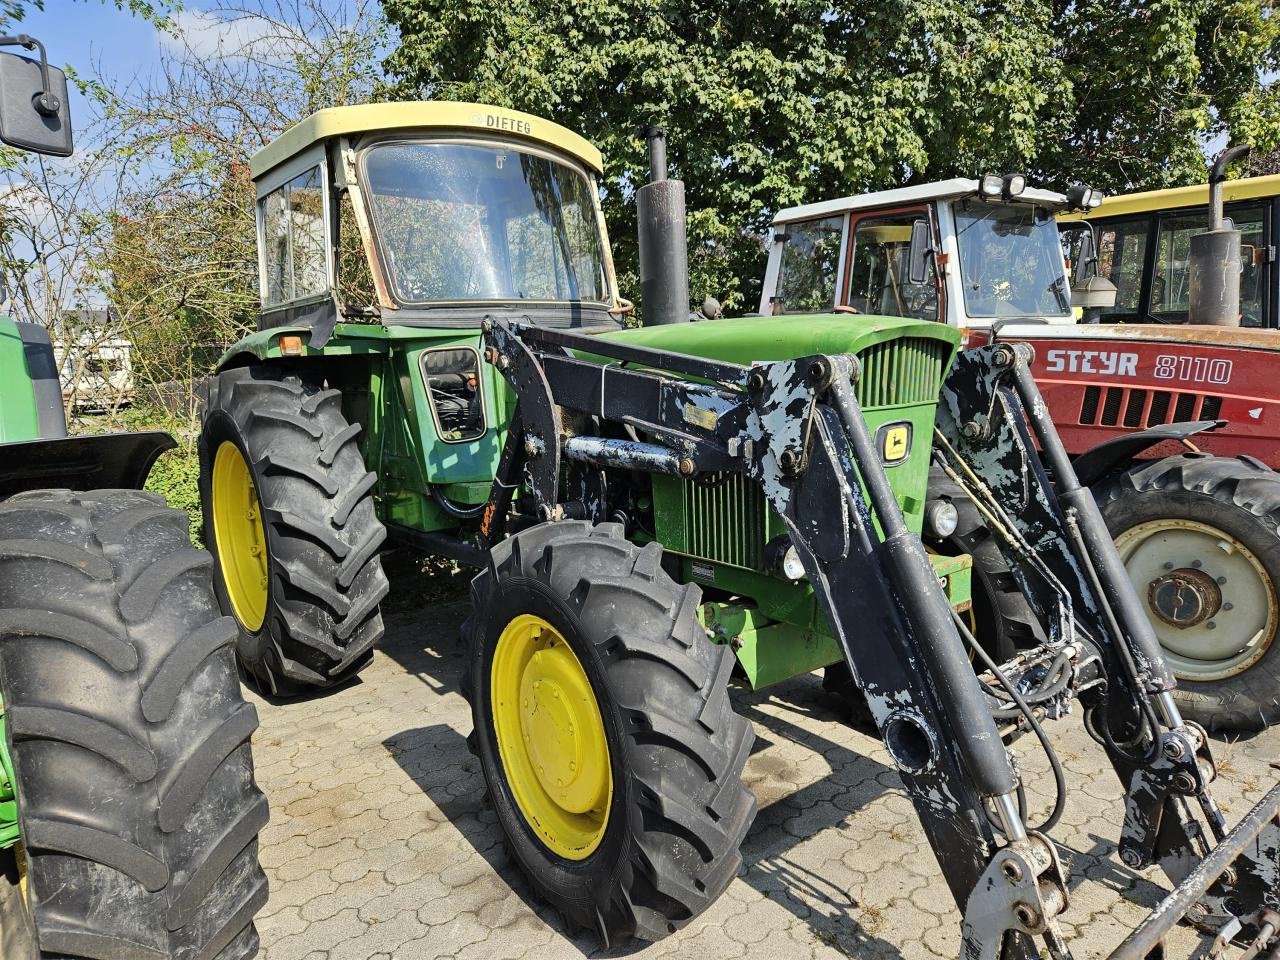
110, 461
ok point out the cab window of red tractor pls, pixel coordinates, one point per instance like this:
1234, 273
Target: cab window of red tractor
1122, 253
807, 272
879, 280
1170, 281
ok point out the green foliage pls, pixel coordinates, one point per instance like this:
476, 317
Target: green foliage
787, 101
176, 477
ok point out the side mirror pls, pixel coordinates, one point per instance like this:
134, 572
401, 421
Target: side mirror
34, 112
919, 252
1086, 265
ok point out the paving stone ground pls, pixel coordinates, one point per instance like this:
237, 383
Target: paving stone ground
381, 845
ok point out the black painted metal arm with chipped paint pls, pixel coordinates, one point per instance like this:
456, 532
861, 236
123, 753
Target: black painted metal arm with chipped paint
795, 428
995, 438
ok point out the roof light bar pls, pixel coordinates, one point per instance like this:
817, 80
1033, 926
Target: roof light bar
991, 185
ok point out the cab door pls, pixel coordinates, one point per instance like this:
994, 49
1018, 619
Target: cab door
876, 275
804, 267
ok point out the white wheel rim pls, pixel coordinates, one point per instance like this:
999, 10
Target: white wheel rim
1221, 593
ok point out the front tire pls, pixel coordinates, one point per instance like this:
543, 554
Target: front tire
138, 814
1200, 538
631, 823
289, 517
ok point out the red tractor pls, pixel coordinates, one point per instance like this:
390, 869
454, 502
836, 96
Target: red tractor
1158, 360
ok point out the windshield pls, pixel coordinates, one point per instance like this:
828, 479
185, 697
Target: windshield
457, 222
1010, 261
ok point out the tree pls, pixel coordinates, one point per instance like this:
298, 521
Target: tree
787, 101
181, 264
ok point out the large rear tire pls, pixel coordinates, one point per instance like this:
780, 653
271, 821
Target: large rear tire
1200, 538
138, 812
615, 766
289, 517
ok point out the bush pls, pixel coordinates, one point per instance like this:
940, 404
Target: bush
176, 477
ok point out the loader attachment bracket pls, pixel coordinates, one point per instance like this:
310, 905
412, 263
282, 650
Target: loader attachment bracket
1023, 888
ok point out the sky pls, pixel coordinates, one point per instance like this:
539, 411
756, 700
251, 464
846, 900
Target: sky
91, 33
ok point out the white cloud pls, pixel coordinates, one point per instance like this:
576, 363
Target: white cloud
208, 36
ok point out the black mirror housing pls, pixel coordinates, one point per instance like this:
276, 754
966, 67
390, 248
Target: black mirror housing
919, 251
23, 124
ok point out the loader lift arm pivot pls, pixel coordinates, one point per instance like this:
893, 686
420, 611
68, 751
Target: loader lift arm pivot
795, 428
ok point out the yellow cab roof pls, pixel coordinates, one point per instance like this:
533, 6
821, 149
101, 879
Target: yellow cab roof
1123, 204
431, 115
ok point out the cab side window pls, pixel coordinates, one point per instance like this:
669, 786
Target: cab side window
807, 271
879, 278
1171, 280
294, 240
1122, 255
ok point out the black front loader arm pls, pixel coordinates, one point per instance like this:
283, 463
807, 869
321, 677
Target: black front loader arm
991, 422
795, 428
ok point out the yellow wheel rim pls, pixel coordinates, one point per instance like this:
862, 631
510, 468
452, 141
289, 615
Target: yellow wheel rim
24, 880
240, 538
550, 737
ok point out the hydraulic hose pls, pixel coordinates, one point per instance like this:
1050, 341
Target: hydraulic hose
1059, 777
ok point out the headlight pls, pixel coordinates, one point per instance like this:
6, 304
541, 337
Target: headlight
1081, 196
1014, 184
941, 518
991, 185
782, 559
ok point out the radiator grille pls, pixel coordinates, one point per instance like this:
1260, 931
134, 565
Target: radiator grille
1136, 407
726, 518
909, 370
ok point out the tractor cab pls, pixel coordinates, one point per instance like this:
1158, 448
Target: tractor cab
430, 214
964, 252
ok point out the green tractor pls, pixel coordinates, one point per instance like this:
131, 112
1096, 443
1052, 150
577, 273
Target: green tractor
128, 810
658, 512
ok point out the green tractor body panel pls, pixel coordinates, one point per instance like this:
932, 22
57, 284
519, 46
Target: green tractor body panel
717, 529
19, 416
903, 365
8, 790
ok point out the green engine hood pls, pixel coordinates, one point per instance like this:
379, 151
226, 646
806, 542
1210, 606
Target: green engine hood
744, 340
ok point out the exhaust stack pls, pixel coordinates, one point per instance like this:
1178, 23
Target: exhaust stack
664, 249
1214, 258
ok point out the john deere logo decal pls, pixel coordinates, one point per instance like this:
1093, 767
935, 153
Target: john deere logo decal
894, 440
